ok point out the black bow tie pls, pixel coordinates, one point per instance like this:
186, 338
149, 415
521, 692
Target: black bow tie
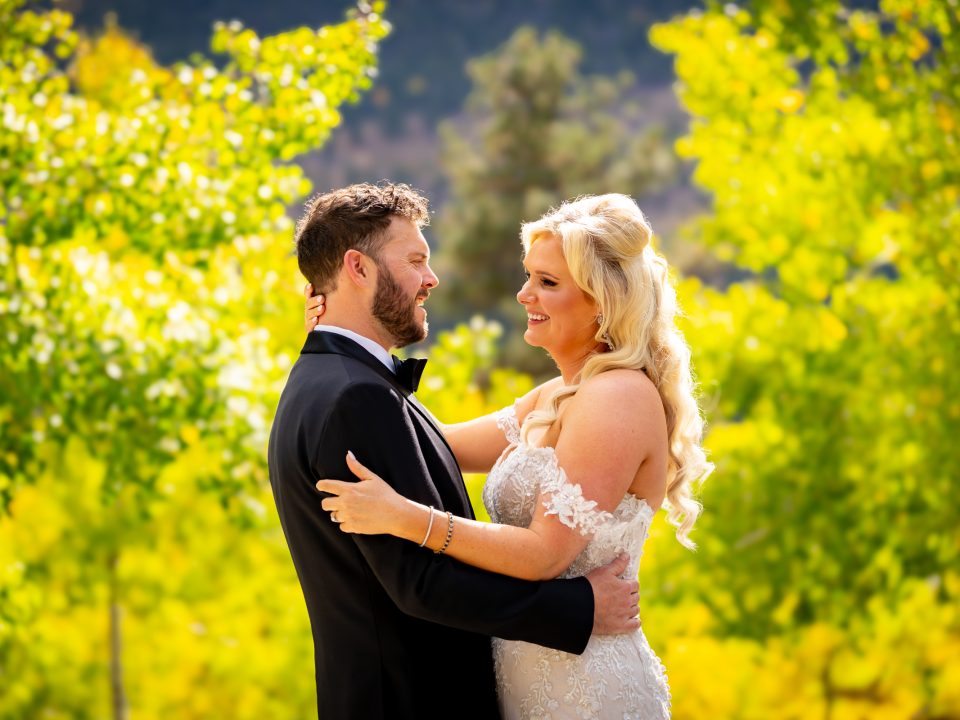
409, 371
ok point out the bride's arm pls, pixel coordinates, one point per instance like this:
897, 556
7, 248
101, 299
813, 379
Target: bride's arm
479, 442
609, 430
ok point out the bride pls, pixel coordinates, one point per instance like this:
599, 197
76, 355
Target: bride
579, 465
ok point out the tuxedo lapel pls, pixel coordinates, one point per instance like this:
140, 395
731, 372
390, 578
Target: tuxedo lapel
428, 416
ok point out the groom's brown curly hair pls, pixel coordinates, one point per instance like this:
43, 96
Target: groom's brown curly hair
351, 218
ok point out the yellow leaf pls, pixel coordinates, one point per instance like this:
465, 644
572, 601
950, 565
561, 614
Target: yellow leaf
189, 434
116, 239
930, 169
919, 46
791, 101
831, 328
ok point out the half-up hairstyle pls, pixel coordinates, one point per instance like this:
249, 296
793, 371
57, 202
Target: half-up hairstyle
606, 244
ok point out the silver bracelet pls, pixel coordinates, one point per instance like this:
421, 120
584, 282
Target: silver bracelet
446, 542
429, 528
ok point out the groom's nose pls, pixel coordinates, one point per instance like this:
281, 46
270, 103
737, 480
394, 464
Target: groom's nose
430, 279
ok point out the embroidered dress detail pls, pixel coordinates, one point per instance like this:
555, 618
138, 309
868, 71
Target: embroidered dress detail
566, 501
507, 422
616, 676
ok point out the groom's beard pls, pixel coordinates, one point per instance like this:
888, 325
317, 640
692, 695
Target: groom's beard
396, 311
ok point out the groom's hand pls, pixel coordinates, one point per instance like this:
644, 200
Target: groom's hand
615, 601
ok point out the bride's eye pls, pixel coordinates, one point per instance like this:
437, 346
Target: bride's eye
549, 283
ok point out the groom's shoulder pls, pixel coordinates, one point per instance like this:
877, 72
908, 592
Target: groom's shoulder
332, 367
335, 378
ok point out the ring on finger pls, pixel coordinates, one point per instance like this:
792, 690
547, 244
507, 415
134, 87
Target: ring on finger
333, 516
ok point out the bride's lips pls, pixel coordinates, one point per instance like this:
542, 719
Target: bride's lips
536, 318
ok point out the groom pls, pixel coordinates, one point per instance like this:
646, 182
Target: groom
399, 632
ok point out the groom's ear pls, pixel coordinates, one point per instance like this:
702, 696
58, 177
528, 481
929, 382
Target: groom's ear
358, 269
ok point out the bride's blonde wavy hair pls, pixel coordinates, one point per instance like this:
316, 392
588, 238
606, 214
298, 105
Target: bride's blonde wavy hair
606, 243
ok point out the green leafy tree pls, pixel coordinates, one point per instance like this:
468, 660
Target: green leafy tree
827, 138
538, 132
144, 299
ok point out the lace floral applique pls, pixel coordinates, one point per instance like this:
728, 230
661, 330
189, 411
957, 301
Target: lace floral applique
508, 424
564, 499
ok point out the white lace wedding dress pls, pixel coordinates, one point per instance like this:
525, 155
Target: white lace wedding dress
617, 676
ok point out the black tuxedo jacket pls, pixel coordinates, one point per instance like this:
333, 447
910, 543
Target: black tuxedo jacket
398, 631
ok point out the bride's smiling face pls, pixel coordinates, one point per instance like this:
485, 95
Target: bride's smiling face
561, 318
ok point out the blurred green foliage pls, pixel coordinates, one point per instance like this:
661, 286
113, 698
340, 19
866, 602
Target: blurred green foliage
828, 141
147, 305
833, 405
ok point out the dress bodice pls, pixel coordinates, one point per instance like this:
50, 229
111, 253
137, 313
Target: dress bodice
525, 475
617, 676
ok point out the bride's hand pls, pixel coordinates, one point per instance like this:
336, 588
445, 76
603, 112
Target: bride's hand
313, 307
367, 507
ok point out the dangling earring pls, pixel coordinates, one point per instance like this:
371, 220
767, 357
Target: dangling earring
606, 336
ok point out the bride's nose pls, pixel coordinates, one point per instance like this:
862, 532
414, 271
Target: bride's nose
524, 296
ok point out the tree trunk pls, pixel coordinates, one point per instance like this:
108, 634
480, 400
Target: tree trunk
120, 710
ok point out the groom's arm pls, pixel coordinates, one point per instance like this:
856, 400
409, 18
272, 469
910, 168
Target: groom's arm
369, 420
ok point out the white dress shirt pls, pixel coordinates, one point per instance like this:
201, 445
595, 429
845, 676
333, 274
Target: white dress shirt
374, 348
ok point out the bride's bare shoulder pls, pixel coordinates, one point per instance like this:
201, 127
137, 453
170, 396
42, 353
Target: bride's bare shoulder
613, 424
619, 395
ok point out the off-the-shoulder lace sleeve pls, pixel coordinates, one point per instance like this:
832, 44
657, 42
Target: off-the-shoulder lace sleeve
564, 499
507, 422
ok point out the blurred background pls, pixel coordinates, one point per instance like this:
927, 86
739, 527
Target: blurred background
799, 162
